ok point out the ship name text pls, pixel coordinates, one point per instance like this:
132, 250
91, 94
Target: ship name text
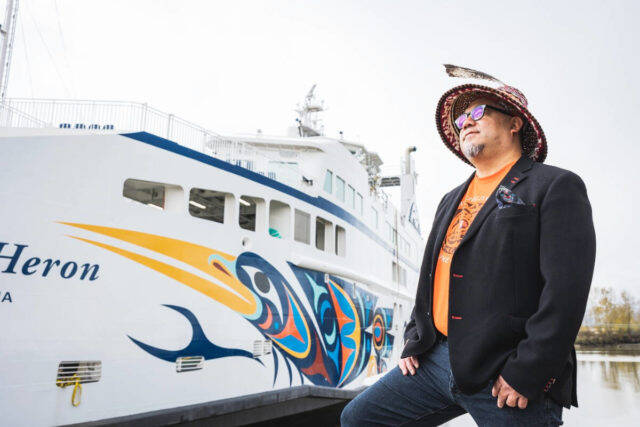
11, 262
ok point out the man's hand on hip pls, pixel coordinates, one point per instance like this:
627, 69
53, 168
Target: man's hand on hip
504, 392
408, 364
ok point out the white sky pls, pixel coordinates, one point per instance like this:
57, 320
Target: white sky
236, 66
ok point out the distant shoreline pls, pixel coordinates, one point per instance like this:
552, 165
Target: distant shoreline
608, 336
610, 347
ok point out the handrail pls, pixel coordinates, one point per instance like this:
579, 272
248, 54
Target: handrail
125, 116
13, 117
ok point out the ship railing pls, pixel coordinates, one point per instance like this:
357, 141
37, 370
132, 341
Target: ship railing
11, 117
125, 117
384, 199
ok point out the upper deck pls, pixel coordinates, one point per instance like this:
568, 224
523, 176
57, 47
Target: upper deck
343, 172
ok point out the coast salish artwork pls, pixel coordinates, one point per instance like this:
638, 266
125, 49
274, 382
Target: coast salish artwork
345, 333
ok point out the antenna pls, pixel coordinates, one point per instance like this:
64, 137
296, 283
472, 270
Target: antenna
309, 123
310, 94
7, 31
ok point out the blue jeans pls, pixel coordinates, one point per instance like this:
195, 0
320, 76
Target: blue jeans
431, 397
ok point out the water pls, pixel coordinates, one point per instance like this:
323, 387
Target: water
608, 389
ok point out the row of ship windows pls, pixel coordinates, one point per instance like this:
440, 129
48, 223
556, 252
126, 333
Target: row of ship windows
347, 194
218, 206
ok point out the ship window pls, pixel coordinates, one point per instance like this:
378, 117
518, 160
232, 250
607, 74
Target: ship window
394, 272
405, 247
328, 182
391, 234
359, 203
251, 213
279, 219
375, 217
340, 188
323, 233
154, 194
398, 274
351, 198
341, 241
395, 316
286, 172
211, 205
302, 226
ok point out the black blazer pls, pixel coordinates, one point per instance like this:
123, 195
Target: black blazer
518, 286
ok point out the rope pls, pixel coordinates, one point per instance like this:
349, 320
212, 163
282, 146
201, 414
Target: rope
77, 388
77, 393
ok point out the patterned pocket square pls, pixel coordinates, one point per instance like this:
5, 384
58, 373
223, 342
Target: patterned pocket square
506, 198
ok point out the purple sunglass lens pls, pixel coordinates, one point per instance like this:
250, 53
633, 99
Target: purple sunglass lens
460, 120
478, 112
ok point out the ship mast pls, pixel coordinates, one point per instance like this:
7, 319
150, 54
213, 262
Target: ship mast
309, 123
7, 32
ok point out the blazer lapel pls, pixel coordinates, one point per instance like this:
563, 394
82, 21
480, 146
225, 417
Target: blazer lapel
515, 176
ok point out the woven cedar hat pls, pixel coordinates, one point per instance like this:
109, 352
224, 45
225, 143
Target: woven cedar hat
456, 100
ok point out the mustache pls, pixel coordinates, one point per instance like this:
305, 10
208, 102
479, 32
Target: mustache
465, 134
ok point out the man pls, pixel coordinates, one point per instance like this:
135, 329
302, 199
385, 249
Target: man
503, 284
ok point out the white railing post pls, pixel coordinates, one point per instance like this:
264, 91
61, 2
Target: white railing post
169, 122
10, 117
53, 109
144, 117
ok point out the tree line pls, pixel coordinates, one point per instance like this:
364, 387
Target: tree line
612, 317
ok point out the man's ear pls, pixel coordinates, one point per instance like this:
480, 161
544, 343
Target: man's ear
516, 124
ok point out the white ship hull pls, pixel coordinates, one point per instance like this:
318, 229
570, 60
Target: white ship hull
89, 275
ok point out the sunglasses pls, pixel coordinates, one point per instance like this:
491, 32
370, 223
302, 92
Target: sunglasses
477, 113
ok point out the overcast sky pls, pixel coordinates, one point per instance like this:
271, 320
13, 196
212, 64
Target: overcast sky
237, 66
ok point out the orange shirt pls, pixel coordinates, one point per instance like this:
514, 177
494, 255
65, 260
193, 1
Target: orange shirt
477, 193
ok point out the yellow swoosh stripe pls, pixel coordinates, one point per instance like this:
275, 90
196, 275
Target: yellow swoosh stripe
189, 253
195, 282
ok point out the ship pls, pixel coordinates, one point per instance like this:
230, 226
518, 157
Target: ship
154, 265
154, 272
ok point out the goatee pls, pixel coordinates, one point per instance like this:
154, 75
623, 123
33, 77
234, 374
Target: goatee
469, 150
